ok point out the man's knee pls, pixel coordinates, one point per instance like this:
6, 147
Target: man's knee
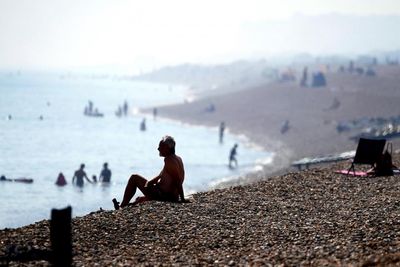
133, 178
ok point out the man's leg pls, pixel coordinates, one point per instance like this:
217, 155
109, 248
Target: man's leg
135, 181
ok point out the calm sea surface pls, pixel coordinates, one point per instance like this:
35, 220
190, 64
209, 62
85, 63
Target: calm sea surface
41, 148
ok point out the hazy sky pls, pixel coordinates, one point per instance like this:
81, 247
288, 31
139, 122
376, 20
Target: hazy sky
68, 33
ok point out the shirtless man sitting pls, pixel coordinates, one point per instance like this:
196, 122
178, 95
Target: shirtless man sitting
167, 186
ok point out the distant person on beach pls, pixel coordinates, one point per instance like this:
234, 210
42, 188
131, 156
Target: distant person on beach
167, 186
105, 175
61, 180
154, 113
210, 108
232, 157
143, 125
79, 175
221, 132
285, 127
94, 178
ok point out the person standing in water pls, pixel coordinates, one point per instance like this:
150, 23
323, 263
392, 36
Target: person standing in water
232, 157
105, 175
79, 175
221, 132
61, 180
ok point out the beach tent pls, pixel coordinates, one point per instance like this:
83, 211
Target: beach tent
368, 152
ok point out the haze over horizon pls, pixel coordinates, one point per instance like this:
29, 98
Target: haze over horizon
139, 35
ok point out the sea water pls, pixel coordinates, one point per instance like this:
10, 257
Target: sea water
43, 132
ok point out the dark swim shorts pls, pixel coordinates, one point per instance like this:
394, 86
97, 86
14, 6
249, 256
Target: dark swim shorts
154, 192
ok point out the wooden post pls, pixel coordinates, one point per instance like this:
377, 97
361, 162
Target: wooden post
60, 236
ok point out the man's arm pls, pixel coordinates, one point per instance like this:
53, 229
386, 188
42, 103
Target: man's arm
158, 177
153, 181
181, 194
87, 178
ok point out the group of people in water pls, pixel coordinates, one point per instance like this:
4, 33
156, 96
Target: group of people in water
122, 110
90, 110
80, 175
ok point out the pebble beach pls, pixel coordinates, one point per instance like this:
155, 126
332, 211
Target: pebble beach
309, 218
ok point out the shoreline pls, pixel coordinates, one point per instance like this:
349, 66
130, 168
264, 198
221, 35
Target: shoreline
259, 113
278, 165
308, 218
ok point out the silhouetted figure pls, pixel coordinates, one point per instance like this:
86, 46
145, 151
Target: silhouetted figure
96, 113
167, 186
210, 108
221, 132
21, 180
232, 157
94, 178
303, 82
79, 175
359, 70
370, 72
105, 175
3, 178
143, 125
154, 113
118, 113
61, 180
287, 76
351, 66
9, 117
125, 108
90, 107
335, 104
318, 79
285, 127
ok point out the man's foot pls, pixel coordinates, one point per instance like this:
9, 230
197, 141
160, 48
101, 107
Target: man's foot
116, 204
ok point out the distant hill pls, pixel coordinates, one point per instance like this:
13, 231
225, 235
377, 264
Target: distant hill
238, 74
325, 39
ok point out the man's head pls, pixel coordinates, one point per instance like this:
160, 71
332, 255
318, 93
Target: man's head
166, 146
82, 166
105, 165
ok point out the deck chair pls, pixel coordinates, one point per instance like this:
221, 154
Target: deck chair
368, 151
